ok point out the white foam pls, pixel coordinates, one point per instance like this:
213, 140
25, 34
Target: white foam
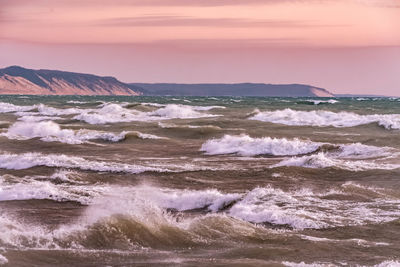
3, 260
322, 118
360, 242
303, 264
173, 111
50, 111
29, 188
114, 113
182, 200
324, 160
146, 136
245, 145
389, 263
207, 107
29, 160
262, 205
317, 102
8, 107
144, 204
360, 151
50, 131
304, 208
77, 102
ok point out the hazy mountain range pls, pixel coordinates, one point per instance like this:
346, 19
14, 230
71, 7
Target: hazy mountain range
18, 80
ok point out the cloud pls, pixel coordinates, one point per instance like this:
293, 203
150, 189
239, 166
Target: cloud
149, 2
165, 3
187, 21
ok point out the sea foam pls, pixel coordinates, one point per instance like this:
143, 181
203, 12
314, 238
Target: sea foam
8, 107
29, 160
50, 131
322, 118
245, 145
114, 113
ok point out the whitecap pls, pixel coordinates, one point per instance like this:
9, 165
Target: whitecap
388, 263
3, 260
325, 160
8, 107
29, 188
245, 145
323, 118
114, 113
29, 160
173, 111
318, 102
50, 131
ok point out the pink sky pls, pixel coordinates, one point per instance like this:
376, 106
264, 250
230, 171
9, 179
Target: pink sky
346, 46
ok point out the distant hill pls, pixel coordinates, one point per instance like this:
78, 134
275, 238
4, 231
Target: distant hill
18, 80
238, 89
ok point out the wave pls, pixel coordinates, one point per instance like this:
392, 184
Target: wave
322, 118
114, 113
28, 188
143, 135
36, 118
360, 242
50, 111
324, 160
303, 264
77, 102
173, 111
319, 102
29, 160
8, 107
3, 260
201, 129
139, 216
50, 131
110, 112
245, 145
302, 207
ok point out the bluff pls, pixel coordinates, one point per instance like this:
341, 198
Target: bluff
19, 80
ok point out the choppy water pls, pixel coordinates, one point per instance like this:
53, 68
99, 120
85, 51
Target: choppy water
122, 181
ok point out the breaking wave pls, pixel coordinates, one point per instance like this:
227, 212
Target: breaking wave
322, 118
319, 102
245, 145
325, 160
145, 216
50, 131
114, 113
29, 160
8, 107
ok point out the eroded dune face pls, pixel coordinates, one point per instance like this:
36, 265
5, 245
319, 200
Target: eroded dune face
18, 80
321, 92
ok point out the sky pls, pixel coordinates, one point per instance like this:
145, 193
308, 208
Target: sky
345, 46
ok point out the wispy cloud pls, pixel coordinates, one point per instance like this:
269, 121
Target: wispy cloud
187, 21
151, 2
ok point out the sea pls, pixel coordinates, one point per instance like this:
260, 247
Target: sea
199, 181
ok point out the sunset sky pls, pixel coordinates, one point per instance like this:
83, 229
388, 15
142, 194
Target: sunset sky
346, 46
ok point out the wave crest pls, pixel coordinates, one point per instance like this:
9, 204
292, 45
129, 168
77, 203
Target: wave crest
322, 118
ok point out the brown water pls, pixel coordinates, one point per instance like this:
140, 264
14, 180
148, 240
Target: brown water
139, 181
